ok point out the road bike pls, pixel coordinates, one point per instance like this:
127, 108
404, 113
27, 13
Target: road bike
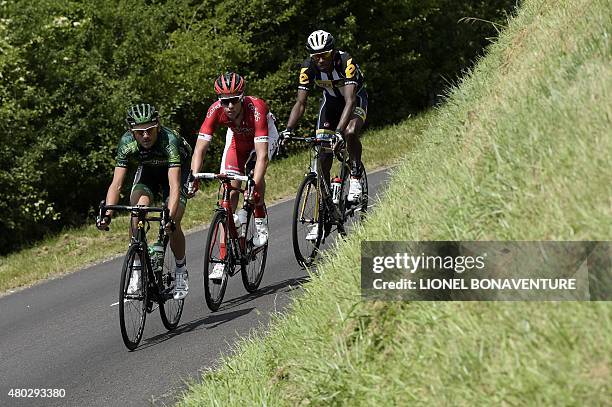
323, 202
151, 280
229, 246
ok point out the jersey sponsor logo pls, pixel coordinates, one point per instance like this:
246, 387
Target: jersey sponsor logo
213, 109
325, 84
255, 111
350, 68
304, 77
261, 139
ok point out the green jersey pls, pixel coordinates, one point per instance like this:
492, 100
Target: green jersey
170, 150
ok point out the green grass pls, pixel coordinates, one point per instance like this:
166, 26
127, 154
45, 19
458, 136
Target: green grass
76, 248
520, 151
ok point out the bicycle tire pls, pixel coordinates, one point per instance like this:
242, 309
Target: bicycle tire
364, 193
131, 337
170, 310
214, 292
306, 256
252, 284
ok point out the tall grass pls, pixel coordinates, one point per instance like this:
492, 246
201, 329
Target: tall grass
520, 151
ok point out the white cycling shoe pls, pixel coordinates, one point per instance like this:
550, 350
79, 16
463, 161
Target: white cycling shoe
354, 190
314, 233
181, 283
217, 272
261, 238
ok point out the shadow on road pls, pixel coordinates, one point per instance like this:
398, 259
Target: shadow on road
290, 285
213, 320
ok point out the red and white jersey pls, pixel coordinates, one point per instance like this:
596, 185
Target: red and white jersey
252, 129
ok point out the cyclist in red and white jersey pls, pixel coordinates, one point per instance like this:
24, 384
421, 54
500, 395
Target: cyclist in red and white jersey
251, 136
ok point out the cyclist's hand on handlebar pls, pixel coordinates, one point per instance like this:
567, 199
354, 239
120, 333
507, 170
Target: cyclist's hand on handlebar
168, 225
251, 195
102, 222
192, 188
285, 135
192, 185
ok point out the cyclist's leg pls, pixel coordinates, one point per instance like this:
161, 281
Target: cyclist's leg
143, 190
330, 110
231, 164
177, 237
353, 129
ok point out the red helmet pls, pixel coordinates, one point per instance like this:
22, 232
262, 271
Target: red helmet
230, 83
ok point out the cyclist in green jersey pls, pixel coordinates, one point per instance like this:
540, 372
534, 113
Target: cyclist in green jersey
163, 158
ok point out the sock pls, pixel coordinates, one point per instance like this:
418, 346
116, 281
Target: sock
181, 262
222, 250
259, 211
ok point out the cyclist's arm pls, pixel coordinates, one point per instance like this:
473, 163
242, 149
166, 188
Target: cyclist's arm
174, 180
350, 99
114, 190
198, 153
298, 109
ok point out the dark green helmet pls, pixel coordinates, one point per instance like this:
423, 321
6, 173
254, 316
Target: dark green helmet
141, 113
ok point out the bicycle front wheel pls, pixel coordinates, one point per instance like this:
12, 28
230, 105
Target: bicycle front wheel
364, 194
253, 269
170, 309
307, 228
214, 253
133, 297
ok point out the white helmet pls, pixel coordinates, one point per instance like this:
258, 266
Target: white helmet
320, 41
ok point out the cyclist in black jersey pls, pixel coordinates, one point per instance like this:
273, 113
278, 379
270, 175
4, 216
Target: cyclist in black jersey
343, 107
163, 158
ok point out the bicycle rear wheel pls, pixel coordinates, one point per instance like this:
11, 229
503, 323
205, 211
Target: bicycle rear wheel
214, 290
252, 271
133, 300
307, 214
170, 309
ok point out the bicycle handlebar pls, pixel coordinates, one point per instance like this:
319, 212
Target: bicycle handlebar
164, 211
221, 177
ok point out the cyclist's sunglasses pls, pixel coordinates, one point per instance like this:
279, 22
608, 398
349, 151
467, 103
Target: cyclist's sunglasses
234, 100
143, 129
324, 55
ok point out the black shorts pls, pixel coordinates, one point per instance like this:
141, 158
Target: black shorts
331, 109
154, 181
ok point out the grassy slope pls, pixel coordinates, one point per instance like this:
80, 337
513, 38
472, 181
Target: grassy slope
77, 247
520, 151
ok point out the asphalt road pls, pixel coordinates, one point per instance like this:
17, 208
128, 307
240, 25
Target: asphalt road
64, 333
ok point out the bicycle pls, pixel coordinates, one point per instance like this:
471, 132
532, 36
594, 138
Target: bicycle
239, 248
156, 277
317, 204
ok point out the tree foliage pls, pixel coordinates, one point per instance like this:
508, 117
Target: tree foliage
69, 69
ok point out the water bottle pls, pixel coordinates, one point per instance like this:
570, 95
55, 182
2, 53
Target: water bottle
156, 252
241, 216
335, 187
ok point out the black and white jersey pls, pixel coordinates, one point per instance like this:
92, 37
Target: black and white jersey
344, 71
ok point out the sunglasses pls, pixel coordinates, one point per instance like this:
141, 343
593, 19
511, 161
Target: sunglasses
142, 130
324, 55
233, 100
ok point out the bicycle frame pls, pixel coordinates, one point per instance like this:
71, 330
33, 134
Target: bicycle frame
236, 244
318, 146
139, 238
